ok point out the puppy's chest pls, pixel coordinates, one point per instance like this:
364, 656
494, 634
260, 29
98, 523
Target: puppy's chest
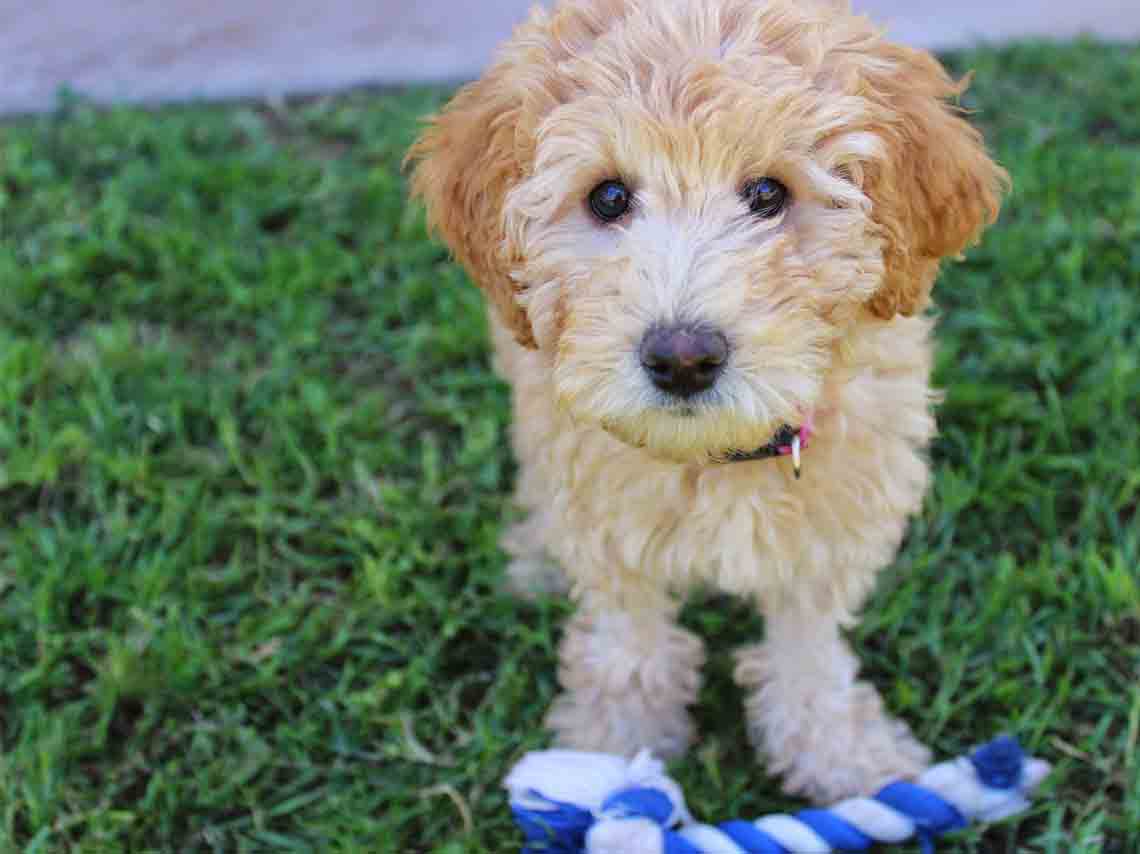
685, 523
744, 517
741, 527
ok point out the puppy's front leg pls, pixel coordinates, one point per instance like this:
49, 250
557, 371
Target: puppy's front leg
627, 673
825, 732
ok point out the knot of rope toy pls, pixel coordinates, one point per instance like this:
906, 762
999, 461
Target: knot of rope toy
572, 802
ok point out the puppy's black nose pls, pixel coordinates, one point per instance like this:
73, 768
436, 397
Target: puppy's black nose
683, 360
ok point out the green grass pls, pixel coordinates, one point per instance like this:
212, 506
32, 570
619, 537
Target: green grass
253, 466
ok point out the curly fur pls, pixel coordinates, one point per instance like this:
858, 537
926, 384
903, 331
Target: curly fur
685, 100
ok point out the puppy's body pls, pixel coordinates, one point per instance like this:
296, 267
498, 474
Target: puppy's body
628, 529
815, 303
615, 515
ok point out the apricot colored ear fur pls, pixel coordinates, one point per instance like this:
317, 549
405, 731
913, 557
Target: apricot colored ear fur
936, 188
465, 162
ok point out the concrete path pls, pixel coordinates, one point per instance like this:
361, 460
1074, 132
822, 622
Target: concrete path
150, 50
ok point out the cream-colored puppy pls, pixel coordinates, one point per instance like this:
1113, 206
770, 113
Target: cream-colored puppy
706, 227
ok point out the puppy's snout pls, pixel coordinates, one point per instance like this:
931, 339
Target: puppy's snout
683, 360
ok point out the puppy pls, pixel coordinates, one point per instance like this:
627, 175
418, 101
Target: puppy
708, 230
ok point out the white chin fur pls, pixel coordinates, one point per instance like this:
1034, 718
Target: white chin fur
742, 413
698, 438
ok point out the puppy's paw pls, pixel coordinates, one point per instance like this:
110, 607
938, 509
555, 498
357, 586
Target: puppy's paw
626, 682
536, 575
856, 756
621, 725
828, 742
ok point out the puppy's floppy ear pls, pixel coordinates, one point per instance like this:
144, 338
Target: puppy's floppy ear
468, 157
936, 187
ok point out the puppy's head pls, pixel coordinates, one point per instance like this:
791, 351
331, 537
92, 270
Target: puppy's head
686, 204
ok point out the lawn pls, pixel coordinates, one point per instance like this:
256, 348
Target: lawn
253, 465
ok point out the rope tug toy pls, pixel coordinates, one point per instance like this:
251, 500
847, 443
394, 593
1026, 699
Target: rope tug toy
572, 802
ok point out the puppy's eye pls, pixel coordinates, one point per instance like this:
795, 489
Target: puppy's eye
765, 197
609, 200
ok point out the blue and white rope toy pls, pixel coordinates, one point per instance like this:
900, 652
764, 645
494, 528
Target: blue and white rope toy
572, 802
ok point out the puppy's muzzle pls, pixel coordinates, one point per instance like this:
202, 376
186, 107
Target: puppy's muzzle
683, 360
